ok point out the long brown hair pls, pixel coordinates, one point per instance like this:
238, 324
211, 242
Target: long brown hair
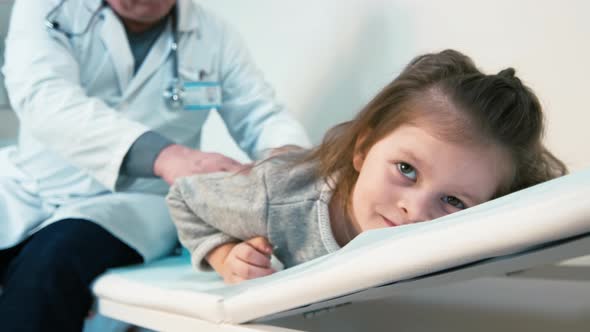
496, 108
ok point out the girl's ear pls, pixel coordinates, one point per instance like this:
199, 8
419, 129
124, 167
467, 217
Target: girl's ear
357, 161
358, 156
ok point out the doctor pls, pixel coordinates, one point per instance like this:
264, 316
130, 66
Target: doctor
111, 97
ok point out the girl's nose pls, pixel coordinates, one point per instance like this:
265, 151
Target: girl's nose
415, 207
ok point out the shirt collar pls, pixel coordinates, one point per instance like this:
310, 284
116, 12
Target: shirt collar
188, 18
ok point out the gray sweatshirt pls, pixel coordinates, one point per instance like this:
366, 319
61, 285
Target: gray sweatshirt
287, 205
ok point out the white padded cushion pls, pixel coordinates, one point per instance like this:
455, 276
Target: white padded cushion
548, 212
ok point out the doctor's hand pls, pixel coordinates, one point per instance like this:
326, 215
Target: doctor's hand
246, 260
280, 150
176, 161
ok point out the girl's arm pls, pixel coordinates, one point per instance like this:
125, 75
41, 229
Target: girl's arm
212, 210
197, 236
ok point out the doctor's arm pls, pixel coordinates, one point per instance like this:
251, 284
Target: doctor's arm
254, 118
154, 155
43, 83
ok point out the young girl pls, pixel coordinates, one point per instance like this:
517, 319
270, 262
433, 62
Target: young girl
440, 138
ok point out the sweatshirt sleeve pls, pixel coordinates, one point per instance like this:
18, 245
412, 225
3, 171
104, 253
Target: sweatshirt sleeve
213, 209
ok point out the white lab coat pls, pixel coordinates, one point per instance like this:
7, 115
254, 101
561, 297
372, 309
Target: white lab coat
81, 108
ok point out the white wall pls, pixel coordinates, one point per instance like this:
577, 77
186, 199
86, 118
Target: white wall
8, 126
8, 123
327, 58
5, 7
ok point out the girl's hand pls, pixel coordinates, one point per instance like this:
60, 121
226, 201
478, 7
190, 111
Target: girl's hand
247, 260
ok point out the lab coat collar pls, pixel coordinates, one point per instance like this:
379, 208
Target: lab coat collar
92, 5
187, 15
114, 37
153, 61
187, 21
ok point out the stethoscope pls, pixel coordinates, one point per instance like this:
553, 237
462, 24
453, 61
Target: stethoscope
173, 94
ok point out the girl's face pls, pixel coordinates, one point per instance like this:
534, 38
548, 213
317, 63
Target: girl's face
411, 176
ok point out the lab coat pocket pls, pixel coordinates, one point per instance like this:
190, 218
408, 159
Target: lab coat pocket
201, 90
201, 95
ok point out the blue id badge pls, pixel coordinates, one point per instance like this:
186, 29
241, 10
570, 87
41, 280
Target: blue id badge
201, 95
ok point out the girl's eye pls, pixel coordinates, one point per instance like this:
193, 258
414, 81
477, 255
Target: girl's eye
454, 202
407, 170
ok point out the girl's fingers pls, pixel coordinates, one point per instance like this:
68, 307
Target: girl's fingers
261, 244
250, 255
248, 271
233, 279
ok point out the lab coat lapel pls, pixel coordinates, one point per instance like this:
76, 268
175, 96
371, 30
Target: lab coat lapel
162, 47
153, 61
115, 40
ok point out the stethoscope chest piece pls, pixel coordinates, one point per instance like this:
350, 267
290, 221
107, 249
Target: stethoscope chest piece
174, 95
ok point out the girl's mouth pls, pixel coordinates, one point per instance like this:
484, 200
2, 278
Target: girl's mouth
388, 222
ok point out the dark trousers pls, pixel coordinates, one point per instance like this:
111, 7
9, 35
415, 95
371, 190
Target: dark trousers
46, 279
